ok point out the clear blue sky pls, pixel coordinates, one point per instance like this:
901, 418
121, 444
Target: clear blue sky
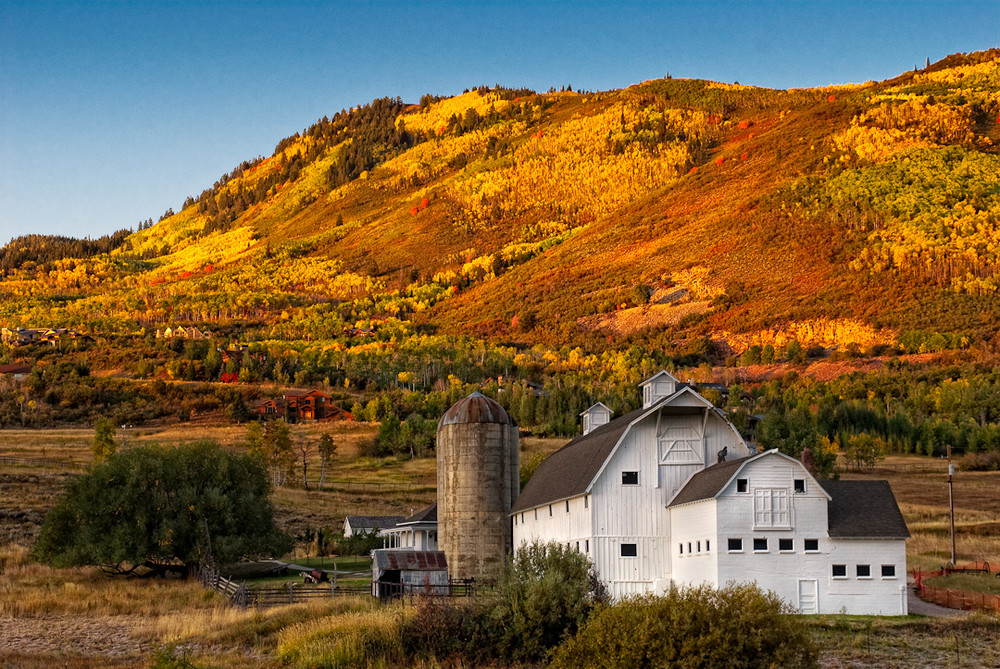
111, 112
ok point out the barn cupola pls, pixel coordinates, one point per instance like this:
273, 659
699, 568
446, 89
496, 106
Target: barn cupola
596, 416
655, 388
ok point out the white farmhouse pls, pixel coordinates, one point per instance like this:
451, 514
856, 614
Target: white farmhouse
670, 495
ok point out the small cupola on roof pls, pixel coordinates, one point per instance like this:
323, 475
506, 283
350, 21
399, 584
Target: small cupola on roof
655, 388
596, 416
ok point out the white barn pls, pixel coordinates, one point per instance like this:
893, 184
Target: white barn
650, 499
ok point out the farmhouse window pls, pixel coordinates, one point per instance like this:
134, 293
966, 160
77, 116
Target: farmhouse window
742, 485
811, 545
629, 550
770, 508
800, 485
840, 571
786, 545
630, 478
888, 571
864, 571
735, 545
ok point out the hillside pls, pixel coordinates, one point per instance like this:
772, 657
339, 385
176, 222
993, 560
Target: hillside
561, 232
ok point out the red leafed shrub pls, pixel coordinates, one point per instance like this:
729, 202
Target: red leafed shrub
743, 125
693, 170
185, 275
424, 203
998, 119
832, 98
743, 156
209, 269
720, 160
413, 211
538, 135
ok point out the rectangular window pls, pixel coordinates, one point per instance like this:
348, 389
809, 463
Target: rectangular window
698, 546
522, 517
689, 547
735, 545
550, 510
742, 485
629, 550
840, 571
586, 545
536, 514
888, 571
515, 521
586, 501
786, 545
864, 571
760, 545
800, 485
708, 546
770, 508
577, 546
681, 547
630, 478
567, 506
811, 545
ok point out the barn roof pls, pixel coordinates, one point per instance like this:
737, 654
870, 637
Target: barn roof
707, 483
569, 471
864, 510
14, 369
407, 560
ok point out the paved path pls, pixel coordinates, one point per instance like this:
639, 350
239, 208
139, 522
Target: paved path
919, 607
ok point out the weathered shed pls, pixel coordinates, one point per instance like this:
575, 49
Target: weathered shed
397, 572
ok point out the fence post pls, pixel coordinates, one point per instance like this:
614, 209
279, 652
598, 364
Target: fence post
291, 593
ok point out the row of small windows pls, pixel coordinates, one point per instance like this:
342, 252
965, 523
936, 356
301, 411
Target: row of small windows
785, 545
586, 505
695, 547
798, 485
863, 571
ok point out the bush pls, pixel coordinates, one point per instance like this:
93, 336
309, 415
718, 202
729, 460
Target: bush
738, 626
980, 462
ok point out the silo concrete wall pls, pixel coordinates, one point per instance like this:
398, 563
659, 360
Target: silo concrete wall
478, 480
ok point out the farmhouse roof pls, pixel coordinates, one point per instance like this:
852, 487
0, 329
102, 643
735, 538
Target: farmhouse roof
407, 560
375, 522
864, 510
428, 515
303, 393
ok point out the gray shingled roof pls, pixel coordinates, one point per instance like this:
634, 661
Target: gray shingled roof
864, 510
428, 515
379, 522
707, 483
568, 471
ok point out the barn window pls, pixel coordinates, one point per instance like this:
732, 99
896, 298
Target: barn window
536, 514
708, 545
630, 550
699, 546
515, 521
800, 485
888, 571
760, 545
735, 545
786, 545
586, 501
840, 571
550, 510
586, 545
689, 547
630, 478
770, 507
577, 546
522, 517
567, 506
742, 485
681, 547
811, 545
864, 571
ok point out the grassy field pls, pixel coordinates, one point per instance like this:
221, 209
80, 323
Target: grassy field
81, 618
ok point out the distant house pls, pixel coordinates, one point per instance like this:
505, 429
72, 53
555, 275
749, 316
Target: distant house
51, 336
15, 371
418, 532
298, 406
181, 332
368, 524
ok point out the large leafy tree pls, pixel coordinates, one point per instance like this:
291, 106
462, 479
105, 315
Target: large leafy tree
155, 506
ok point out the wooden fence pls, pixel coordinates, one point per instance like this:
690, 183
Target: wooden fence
40, 462
956, 599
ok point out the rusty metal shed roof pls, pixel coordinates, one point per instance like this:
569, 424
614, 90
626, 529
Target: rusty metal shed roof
407, 560
476, 408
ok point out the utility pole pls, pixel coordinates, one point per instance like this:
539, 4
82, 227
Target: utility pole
951, 503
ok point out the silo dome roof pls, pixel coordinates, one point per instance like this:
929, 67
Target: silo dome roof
476, 408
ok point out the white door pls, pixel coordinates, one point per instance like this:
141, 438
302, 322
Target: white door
808, 595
